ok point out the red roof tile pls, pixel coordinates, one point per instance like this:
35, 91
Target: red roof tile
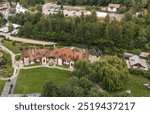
67, 54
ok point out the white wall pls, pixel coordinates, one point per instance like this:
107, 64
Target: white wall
111, 9
26, 61
59, 61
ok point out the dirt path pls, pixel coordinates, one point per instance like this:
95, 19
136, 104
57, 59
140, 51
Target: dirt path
29, 41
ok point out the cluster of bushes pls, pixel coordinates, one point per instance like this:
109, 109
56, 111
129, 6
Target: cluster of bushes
74, 88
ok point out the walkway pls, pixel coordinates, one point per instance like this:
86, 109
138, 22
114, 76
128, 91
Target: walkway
25, 95
47, 66
29, 41
4, 79
6, 89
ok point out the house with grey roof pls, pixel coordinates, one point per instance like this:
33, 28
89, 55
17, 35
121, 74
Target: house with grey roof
136, 62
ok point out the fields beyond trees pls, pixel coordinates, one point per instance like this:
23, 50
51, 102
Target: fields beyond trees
33, 80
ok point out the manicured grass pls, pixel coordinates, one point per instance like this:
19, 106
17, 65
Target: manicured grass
33, 80
6, 69
2, 83
136, 85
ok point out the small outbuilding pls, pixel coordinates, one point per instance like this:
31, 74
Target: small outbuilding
113, 7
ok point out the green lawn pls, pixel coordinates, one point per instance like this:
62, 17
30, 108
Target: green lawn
136, 85
2, 83
6, 69
33, 80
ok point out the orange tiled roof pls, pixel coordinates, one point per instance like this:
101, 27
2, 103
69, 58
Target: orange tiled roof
67, 54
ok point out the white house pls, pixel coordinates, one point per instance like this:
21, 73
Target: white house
113, 7
5, 28
59, 61
20, 9
101, 14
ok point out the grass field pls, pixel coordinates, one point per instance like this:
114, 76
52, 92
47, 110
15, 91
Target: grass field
33, 80
2, 83
136, 85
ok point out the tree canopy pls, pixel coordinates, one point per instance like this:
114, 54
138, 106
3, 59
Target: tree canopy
74, 88
110, 72
110, 37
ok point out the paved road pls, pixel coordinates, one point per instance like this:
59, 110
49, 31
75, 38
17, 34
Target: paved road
29, 41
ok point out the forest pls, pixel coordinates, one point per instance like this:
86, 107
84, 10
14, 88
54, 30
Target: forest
137, 4
125, 4
87, 31
142, 3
